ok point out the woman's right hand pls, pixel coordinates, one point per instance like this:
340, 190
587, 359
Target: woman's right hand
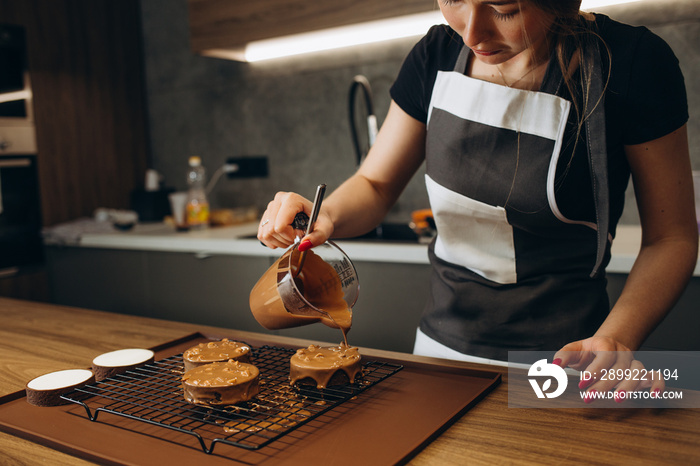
276, 231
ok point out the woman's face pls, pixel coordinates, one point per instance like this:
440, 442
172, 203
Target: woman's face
498, 30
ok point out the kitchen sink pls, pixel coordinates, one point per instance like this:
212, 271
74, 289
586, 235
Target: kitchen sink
399, 232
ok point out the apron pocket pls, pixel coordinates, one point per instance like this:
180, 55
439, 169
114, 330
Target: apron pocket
472, 234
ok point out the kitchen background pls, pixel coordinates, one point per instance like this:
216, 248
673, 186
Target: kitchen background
118, 90
295, 110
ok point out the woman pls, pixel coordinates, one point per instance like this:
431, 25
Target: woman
530, 116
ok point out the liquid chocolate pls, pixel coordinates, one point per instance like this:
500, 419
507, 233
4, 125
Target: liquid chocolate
281, 299
321, 286
317, 283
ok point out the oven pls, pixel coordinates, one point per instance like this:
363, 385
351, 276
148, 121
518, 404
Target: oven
20, 210
20, 214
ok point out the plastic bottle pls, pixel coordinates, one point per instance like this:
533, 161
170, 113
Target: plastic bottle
197, 204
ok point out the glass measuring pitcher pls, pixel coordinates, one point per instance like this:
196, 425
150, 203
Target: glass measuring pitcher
324, 290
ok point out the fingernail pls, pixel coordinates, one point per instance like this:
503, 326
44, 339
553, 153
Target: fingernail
619, 396
589, 396
557, 362
656, 392
305, 245
584, 383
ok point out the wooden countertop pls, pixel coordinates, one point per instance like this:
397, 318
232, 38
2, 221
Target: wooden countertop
37, 338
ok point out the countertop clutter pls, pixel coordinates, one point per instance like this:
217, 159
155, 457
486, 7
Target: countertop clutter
40, 338
239, 239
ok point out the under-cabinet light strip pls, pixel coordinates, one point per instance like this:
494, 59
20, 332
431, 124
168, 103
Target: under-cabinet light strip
361, 34
589, 4
15, 95
344, 36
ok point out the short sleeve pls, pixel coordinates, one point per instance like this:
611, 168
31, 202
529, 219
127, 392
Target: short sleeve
656, 103
413, 87
407, 90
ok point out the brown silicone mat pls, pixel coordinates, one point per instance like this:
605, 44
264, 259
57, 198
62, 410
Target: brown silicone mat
386, 424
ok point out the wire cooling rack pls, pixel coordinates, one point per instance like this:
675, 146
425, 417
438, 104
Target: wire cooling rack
153, 394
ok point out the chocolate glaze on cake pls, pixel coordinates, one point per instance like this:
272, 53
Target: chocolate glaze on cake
326, 366
221, 383
215, 351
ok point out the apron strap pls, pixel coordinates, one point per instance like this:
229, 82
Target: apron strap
597, 152
596, 141
461, 63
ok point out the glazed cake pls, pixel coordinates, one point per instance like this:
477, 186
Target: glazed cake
325, 366
215, 351
221, 383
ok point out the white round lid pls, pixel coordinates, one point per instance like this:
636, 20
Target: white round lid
59, 379
124, 357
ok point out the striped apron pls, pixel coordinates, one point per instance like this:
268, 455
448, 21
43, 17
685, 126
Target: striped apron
518, 215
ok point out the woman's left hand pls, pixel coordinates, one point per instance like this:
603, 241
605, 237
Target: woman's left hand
610, 364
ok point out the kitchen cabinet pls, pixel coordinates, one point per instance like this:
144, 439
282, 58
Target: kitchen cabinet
230, 24
203, 288
213, 289
108, 280
388, 309
165, 285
